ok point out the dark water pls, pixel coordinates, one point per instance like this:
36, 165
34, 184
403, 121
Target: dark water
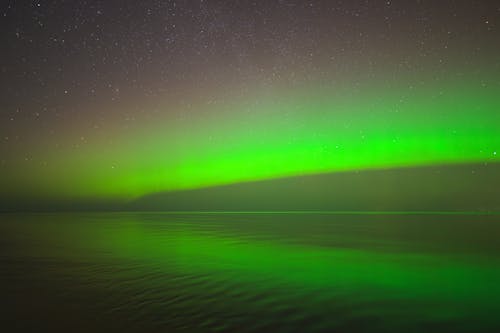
136, 272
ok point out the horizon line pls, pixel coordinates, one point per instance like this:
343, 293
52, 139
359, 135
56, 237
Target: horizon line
256, 212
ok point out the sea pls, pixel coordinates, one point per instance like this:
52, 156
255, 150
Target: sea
250, 272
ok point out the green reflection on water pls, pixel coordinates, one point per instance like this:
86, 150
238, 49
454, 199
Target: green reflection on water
231, 269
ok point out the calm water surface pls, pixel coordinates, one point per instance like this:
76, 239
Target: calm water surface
154, 272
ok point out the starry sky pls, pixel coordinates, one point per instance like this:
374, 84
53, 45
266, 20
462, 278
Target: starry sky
113, 100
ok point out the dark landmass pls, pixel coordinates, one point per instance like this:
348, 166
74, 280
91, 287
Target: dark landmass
438, 188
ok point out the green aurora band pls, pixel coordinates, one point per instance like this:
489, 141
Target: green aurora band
314, 131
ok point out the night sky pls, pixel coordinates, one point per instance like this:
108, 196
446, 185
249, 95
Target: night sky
113, 100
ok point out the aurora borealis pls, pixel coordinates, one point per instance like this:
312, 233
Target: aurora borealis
310, 134
114, 101
250, 166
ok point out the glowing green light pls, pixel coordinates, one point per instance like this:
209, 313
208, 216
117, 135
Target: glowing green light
312, 132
